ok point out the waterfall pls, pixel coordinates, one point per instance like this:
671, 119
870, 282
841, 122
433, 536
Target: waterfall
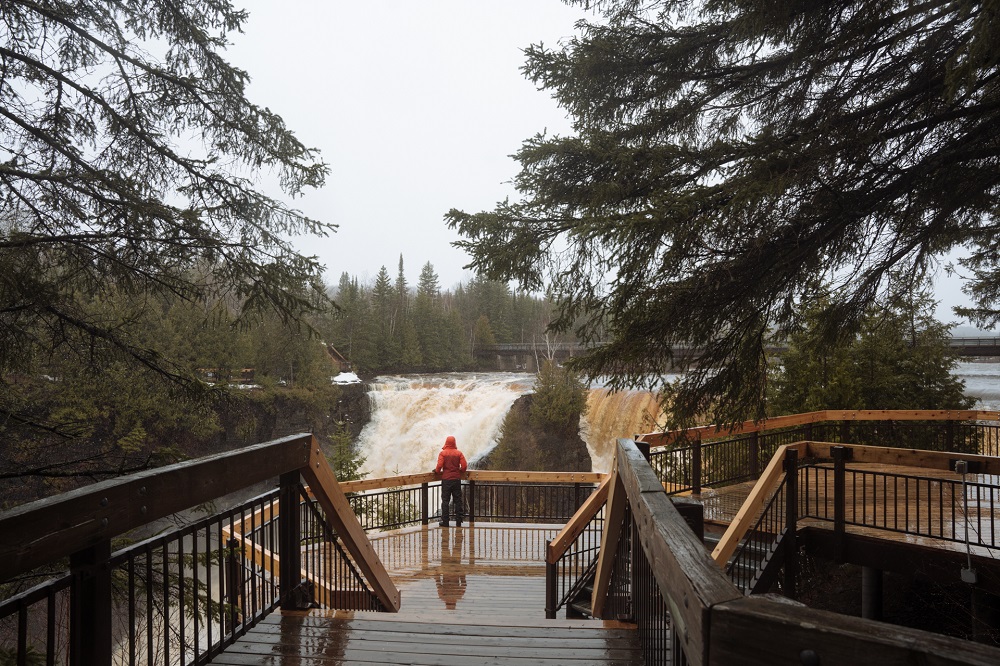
412, 415
613, 415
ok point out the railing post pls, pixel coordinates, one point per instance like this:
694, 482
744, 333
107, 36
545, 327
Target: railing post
472, 501
949, 436
643, 448
791, 522
424, 503
755, 454
234, 582
90, 606
551, 586
289, 548
839, 499
696, 467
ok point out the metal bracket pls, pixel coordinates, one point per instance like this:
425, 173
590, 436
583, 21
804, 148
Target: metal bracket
971, 466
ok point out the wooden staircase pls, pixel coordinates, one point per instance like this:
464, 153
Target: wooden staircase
758, 573
325, 638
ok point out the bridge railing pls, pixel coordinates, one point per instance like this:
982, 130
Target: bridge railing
959, 509
571, 557
973, 341
182, 596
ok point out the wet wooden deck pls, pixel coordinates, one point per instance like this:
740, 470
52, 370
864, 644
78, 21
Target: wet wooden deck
476, 595
470, 595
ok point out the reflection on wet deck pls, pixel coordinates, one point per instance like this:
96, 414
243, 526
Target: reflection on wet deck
479, 569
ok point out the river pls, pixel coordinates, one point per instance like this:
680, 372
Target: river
412, 415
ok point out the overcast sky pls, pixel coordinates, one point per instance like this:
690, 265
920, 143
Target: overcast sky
416, 107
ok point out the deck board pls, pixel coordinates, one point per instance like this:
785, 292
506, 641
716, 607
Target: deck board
476, 571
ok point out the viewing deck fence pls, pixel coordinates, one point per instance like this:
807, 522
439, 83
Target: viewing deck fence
708, 457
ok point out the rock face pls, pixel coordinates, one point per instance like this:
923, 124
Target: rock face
524, 447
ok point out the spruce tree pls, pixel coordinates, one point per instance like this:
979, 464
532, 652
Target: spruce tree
130, 162
727, 156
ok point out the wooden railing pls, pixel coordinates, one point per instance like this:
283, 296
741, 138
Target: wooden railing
775, 473
688, 612
489, 496
186, 584
844, 416
571, 556
707, 457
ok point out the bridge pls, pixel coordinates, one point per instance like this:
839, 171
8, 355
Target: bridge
524, 355
674, 557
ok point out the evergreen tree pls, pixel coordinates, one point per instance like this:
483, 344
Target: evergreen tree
123, 132
726, 156
384, 304
402, 293
428, 318
459, 353
559, 399
482, 333
898, 359
344, 458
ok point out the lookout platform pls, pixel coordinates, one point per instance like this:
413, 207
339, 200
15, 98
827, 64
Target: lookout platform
315, 572
469, 595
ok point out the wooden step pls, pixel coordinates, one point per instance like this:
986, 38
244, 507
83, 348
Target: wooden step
328, 638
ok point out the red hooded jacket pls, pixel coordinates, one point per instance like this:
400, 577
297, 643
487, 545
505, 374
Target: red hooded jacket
451, 461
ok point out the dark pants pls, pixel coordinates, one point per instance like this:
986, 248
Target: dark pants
451, 489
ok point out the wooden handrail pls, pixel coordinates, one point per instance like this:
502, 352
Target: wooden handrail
342, 519
473, 475
615, 513
266, 558
666, 438
714, 623
860, 453
40, 532
685, 574
755, 501
578, 523
887, 455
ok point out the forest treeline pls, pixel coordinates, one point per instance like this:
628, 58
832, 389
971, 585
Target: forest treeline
392, 325
385, 325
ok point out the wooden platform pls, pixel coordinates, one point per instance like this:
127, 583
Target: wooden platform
470, 595
485, 570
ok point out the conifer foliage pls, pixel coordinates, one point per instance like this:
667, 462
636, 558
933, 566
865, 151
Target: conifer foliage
729, 156
130, 162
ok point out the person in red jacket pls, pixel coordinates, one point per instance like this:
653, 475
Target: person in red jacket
451, 463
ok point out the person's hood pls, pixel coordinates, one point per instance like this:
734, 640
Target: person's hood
450, 443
